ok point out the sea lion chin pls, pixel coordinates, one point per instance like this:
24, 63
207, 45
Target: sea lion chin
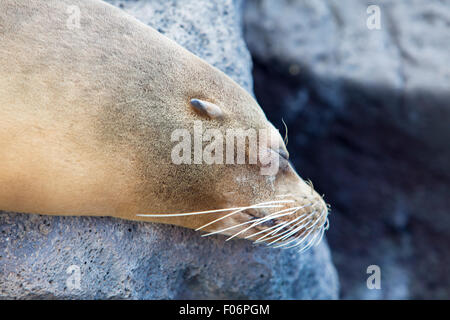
86, 119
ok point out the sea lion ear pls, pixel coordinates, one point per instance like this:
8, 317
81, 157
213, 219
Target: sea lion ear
209, 108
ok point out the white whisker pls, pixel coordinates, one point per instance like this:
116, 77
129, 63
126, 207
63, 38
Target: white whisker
229, 228
285, 237
317, 220
303, 232
165, 215
289, 232
282, 238
310, 243
265, 230
302, 239
238, 225
302, 226
277, 226
234, 212
327, 224
278, 235
322, 232
269, 217
318, 234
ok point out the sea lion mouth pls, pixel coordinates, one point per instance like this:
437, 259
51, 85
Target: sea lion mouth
278, 223
296, 226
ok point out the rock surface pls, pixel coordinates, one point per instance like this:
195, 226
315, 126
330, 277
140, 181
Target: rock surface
368, 114
106, 258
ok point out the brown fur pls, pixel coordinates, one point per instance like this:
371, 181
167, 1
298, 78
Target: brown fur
86, 117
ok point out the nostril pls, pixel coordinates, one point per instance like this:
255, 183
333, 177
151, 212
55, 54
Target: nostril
283, 153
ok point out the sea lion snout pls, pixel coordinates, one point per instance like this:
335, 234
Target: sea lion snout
300, 220
290, 214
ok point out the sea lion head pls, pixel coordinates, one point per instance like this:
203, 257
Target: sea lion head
238, 180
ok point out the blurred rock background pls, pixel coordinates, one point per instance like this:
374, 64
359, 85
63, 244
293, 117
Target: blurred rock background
368, 112
41, 255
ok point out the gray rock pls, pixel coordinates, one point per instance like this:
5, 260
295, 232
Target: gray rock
121, 259
368, 115
330, 38
107, 258
211, 30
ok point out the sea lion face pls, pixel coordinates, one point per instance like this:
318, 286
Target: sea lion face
259, 196
277, 206
262, 200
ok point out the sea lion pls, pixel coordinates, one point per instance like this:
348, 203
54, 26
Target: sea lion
87, 112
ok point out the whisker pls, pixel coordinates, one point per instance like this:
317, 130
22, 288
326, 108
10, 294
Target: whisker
322, 232
284, 195
208, 211
315, 221
229, 228
277, 226
281, 226
234, 212
318, 219
235, 226
287, 236
324, 227
238, 225
288, 223
317, 236
281, 237
287, 231
327, 224
313, 225
265, 230
286, 140
241, 224
259, 205
269, 217
299, 240
301, 237
282, 234
310, 243
302, 226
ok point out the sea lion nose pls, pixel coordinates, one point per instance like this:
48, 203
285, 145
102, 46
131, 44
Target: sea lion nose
283, 153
